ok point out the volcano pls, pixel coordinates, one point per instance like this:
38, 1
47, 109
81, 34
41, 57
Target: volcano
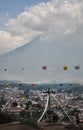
25, 63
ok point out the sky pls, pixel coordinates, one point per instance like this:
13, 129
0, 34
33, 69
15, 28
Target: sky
10, 10
23, 20
14, 7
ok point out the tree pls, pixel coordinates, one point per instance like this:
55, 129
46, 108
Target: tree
5, 117
14, 104
23, 113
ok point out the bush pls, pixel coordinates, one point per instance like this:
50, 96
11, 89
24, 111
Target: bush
5, 117
74, 127
30, 122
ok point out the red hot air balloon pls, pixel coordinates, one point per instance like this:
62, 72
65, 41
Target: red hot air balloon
33, 84
44, 67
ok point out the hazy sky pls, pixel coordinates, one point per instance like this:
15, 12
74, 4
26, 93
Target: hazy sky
52, 20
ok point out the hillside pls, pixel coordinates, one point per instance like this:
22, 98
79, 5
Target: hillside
47, 127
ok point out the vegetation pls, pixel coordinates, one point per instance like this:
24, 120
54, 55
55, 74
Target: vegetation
5, 118
2, 101
74, 127
73, 111
25, 114
30, 122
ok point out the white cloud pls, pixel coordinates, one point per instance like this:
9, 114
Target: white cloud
55, 16
9, 42
7, 14
52, 19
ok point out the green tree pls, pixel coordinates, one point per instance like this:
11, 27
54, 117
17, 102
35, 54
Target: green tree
5, 117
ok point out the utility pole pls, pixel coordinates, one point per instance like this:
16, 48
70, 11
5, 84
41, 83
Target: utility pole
49, 92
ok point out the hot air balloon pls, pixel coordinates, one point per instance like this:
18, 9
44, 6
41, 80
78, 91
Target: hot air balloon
61, 84
33, 84
65, 67
5, 69
7, 84
77, 67
78, 84
20, 84
22, 68
44, 67
70, 84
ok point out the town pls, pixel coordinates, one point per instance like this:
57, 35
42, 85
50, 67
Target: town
41, 104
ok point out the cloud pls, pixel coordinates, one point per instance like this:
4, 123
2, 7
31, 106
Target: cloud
52, 20
7, 14
8, 42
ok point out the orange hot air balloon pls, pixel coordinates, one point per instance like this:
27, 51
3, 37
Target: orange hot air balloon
65, 67
44, 67
33, 84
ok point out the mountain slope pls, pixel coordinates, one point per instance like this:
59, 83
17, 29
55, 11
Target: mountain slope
25, 63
